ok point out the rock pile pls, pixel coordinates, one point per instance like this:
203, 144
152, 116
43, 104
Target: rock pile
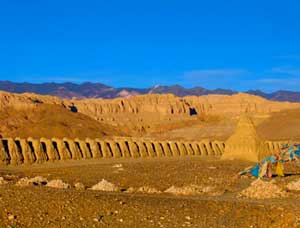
260, 189
58, 184
38, 180
106, 186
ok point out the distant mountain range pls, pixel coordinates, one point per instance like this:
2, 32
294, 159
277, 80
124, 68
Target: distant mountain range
98, 90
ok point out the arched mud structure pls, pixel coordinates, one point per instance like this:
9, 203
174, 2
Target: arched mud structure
50, 149
28, 151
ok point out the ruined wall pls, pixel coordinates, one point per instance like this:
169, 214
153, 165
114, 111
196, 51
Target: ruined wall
28, 151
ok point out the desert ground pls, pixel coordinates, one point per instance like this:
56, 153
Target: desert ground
181, 182
220, 206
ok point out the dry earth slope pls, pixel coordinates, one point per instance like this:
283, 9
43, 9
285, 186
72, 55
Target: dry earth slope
35, 116
158, 116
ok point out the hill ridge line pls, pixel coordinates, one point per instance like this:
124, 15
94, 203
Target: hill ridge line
84, 90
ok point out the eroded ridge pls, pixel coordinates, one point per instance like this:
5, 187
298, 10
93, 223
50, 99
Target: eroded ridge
28, 151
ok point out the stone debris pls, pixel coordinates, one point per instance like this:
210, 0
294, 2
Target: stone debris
149, 190
294, 186
106, 186
191, 190
2, 181
131, 190
38, 180
260, 189
11, 217
79, 186
58, 184
24, 182
118, 170
144, 189
118, 166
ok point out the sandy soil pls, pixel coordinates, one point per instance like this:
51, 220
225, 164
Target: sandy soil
39, 206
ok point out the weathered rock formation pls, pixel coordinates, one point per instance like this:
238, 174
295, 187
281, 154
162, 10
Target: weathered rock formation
237, 104
153, 115
164, 106
25, 101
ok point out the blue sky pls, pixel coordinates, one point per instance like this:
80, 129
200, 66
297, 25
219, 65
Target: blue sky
232, 44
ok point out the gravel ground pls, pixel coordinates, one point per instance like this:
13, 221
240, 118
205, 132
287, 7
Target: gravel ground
40, 206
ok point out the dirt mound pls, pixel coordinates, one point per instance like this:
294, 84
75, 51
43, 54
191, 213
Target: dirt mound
38, 180
58, 184
260, 189
105, 186
294, 186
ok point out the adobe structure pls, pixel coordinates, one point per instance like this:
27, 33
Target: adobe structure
246, 145
27, 151
243, 145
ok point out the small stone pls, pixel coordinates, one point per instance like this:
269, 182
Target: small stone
118, 166
11, 217
58, 184
79, 186
109, 213
130, 190
2, 181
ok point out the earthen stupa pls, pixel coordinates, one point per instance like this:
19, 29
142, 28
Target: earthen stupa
244, 144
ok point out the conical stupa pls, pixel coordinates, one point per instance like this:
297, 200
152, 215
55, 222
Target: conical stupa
244, 144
